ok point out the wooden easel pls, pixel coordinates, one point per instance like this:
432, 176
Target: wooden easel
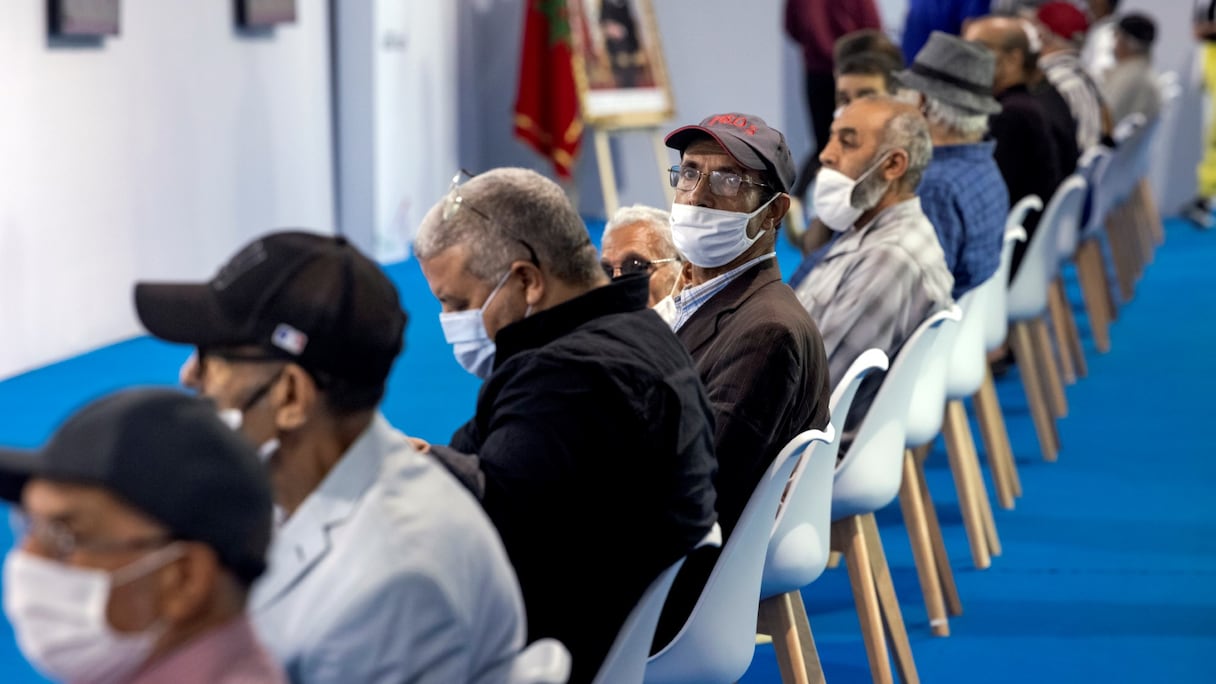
607, 170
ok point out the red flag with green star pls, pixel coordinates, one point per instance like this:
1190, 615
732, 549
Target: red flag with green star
546, 104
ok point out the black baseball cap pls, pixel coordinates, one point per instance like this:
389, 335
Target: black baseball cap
309, 298
168, 455
747, 139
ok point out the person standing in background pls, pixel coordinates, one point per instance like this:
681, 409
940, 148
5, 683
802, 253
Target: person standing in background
816, 25
1098, 51
927, 16
1131, 87
1199, 210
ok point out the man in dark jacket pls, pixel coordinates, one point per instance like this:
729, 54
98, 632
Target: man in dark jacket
592, 417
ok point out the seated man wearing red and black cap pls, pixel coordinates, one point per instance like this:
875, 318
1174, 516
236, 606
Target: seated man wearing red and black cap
384, 568
758, 353
145, 522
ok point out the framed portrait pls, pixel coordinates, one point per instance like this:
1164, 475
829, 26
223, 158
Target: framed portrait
83, 18
263, 14
618, 63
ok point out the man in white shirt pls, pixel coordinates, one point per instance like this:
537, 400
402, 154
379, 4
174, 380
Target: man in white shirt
384, 568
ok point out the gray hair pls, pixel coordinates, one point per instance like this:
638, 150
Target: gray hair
657, 221
907, 130
955, 119
504, 216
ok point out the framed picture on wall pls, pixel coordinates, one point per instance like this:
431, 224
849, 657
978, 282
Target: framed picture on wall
83, 18
618, 63
258, 14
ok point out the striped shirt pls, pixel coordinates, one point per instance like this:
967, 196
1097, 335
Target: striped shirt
1065, 72
875, 285
692, 298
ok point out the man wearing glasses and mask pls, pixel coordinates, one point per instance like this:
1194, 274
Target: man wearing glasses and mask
592, 430
384, 568
757, 351
143, 522
637, 239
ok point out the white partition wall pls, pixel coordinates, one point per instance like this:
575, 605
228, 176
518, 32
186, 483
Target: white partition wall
396, 102
153, 154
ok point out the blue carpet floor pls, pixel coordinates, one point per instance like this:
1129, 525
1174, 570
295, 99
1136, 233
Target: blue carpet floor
1109, 565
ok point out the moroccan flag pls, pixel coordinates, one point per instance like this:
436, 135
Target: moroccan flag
546, 105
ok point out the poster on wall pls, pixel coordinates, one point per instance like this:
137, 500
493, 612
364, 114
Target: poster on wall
83, 18
618, 63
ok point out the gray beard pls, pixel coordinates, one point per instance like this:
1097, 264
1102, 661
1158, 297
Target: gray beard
869, 191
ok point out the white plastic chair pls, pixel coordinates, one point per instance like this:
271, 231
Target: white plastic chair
867, 479
626, 659
718, 640
544, 661
996, 305
800, 543
1028, 303
1090, 262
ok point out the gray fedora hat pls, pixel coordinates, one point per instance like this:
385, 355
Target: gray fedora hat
954, 71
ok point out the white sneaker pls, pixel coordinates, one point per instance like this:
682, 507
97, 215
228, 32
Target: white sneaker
1199, 213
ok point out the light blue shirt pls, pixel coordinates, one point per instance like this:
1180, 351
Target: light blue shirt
690, 299
389, 572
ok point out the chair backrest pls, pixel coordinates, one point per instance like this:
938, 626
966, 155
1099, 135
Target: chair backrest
928, 406
1040, 263
718, 640
544, 661
626, 659
1095, 168
996, 289
869, 475
1066, 210
799, 546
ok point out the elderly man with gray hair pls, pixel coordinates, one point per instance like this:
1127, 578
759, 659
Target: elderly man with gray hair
637, 239
593, 434
962, 192
886, 272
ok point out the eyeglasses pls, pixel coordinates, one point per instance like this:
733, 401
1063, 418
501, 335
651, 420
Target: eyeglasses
633, 265
721, 183
454, 202
56, 540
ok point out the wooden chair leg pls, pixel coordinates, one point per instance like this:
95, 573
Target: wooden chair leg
1072, 335
996, 440
834, 559
922, 548
1056, 309
896, 631
972, 462
1045, 353
848, 539
784, 618
964, 483
1156, 227
1119, 253
1019, 340
954, 605
1095, 289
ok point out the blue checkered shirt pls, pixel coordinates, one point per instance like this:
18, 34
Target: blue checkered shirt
965, 198
690, 299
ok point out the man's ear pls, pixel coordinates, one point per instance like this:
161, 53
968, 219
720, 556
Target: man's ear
778, 209
297, 397
533, 279
187, 584
896, 165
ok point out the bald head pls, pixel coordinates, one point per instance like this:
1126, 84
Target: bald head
1006, 38
889, 136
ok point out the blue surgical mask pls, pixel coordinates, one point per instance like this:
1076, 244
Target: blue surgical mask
466, 332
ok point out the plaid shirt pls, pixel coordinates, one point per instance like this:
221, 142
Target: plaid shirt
964, 197
876, 285
1065, 72
690, 299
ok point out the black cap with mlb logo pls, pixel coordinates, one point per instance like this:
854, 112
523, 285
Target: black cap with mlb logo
309, 298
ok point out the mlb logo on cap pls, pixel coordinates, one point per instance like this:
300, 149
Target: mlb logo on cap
289, 339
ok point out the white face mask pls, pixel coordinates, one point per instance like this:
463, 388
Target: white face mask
712, 237
58, 612
666, 309
466, 332
833, 198
235, 418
